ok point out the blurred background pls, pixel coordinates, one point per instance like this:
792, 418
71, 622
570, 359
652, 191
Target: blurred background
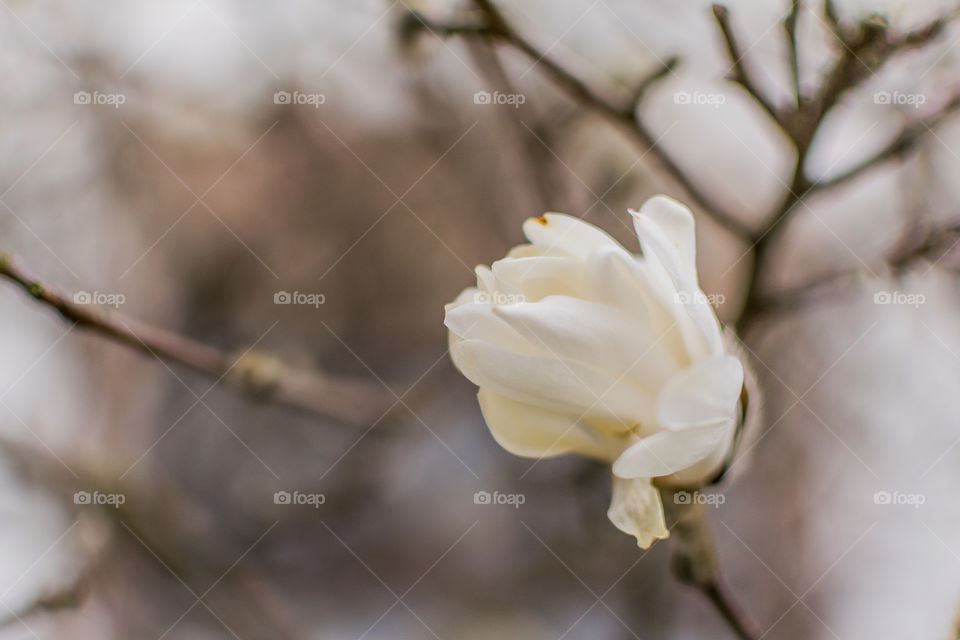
187, 161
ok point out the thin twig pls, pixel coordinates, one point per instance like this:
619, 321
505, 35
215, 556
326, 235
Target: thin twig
625, 117
862, 53
907, 139
732, 612
265, 377
738, 69
694, 559
790, 28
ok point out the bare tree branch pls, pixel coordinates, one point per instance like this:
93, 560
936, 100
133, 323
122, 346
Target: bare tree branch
790, 27
908, 137
863, 50
862, 53
739, 72
625, 118
265, 377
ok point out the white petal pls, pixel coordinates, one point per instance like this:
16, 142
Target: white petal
635, 508
466, 296
704, 394
670, 248
486, 282
599, 335
697, 409
675, 222
532, 432
476, 321
567, 233
550, 383
617, 278
538, 251
668, 452
536, 277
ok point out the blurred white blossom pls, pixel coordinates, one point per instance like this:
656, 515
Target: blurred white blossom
580, 346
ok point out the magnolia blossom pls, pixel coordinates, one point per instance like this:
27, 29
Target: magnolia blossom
579, 346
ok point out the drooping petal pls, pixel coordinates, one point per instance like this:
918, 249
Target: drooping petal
697, 409
552, 383
567, 233
704, 394
635, 508
596, 334
668, 452
533, 432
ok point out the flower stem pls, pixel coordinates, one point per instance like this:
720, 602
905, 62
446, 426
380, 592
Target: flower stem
694, 560
721, 598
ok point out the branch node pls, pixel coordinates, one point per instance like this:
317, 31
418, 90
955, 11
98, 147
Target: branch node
259, 373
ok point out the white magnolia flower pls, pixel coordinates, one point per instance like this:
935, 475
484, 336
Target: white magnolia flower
580, 346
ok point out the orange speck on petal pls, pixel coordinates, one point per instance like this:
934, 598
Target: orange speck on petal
542, 220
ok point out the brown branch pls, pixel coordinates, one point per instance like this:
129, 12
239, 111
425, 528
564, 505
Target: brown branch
723, 601
694, 563
906, 140
653, 78
738, 69
862, 53
790, 28
625, 118
265, 377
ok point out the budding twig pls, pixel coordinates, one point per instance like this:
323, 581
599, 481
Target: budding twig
352, 400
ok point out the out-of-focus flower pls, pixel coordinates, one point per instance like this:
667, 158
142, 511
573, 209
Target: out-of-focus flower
580, 346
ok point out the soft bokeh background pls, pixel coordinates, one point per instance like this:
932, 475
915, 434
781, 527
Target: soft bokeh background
199, 197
